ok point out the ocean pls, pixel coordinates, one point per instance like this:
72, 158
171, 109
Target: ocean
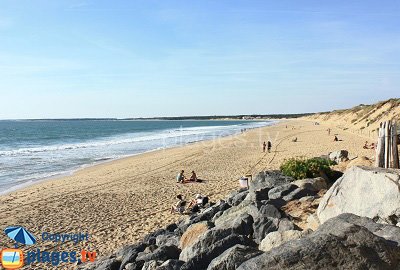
31, 150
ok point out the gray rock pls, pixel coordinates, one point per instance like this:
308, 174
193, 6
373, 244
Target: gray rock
162, 253
105, 264
129, 254
389, 232
150, 239
232, 213
315, 184
262, 226
269, 210
299, 193
151, 265
233, 257
264, 182
336, 244
364, 191
169, 239
280, 191
275, 239
238, 198
202, 258
286, 225
339, 156
171, 265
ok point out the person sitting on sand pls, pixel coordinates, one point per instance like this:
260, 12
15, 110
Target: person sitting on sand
180, 178
294, 139
366, 145
193, 177
179, 207
335, 139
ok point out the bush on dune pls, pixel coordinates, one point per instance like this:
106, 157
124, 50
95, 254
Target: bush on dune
300, 168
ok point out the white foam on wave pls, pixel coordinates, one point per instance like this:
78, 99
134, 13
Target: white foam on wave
128, 138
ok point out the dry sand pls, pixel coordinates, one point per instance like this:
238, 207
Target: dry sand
120, 201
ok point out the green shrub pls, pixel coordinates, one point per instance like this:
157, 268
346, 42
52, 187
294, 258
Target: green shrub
300, 168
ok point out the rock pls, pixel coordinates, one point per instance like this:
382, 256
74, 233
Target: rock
269, 179
360, 161
263, 182
389, 232
204, 243
129, 254
102, 264
171, 265
193, 233
232, 213
269, 210
313, 222
285, 225
169, 239
151, 265
203, 257
315, 184
339, 156
162, 253
299, 193
364, 191
150, 239
171, 227
233, 257
238, 198
337, 244
262, 226
308, 198
275, 239
206, 215
280, 191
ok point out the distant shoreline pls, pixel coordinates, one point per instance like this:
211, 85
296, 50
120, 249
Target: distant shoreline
177, 118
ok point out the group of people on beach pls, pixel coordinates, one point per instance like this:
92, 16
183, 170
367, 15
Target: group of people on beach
194, 206
180, 178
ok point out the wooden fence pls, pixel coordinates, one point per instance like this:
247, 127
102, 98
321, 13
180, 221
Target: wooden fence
387, 155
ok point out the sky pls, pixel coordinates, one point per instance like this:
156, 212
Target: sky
144, 58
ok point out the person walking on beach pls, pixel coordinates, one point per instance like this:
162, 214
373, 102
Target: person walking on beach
269, 146
264, 146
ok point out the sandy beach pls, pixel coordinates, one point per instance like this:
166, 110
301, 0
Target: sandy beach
118, 202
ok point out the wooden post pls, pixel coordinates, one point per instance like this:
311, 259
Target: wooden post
395, 153
380, 147
386, 153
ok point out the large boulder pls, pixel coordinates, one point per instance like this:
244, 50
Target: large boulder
339, 156
315, 184
337, 244
299, 193
233, 257
264, 182
280, 191
203, 257
275, 239
364, 191
240, 225
193, 233
168, 239
236, 197
129, 254
263, 226
228, 216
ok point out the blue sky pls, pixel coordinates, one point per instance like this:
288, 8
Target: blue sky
168, 58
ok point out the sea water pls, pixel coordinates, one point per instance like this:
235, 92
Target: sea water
31, 150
